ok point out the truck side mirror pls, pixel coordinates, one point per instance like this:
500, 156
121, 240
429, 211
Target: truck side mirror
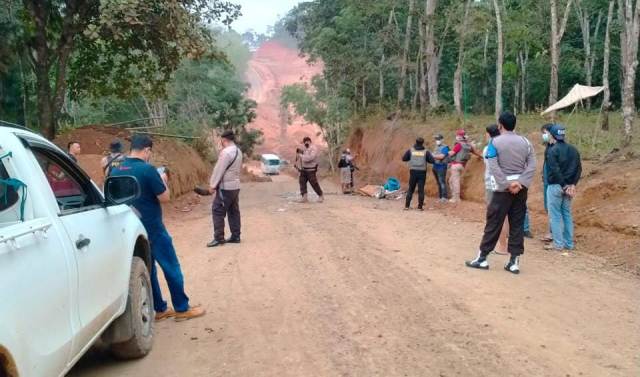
122, 189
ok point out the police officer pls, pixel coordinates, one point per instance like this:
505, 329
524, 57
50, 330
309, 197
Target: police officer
417, 158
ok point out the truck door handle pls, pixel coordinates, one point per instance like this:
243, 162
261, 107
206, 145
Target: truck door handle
82, 242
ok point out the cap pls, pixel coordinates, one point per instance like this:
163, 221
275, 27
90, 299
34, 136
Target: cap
115, 146
461, 132
557, 131
438, 137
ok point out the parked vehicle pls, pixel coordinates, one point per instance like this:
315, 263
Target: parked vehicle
270, 164
74, 262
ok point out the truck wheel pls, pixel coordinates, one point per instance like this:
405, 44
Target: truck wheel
139, 314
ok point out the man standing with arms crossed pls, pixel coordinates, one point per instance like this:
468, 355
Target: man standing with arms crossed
153, 191
512, 163
225, 185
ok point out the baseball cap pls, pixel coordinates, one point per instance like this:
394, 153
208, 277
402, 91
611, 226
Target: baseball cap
115, 146
557, 131
438, 137
229, 135
461, 132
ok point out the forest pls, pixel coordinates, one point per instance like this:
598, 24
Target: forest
466, 57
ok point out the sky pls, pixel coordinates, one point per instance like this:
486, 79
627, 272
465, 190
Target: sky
259, 14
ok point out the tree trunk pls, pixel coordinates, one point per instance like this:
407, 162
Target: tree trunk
557, 32
524, 61
423, 79
499, 61
629, 17
364, 94
457, 76
606, 100
381, 79
405, 54
485, 64
430, 53
588, 42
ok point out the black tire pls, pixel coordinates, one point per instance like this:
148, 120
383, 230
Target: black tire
139, 315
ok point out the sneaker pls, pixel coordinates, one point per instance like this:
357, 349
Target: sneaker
546, 238
320, 199
513, 266
303, 199
552, 247
165, 314
193, 312
232, 240
216, 243
528, 234
406, 208
479, 263
420, 209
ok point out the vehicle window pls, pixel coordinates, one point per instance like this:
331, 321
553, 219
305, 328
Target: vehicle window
8, 197
69, 192
274, 162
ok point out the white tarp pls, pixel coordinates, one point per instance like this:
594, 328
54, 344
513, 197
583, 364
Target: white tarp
576, 94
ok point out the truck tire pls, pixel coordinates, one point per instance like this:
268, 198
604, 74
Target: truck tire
138, 316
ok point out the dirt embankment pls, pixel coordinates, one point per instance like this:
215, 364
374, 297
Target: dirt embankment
186, 167
606, 211
272, 67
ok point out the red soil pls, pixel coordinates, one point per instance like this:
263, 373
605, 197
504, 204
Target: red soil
271, 67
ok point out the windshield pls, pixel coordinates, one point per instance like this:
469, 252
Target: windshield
273, 162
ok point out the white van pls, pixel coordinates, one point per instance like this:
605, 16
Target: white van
270, 164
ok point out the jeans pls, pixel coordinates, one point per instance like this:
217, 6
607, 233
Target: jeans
163, 252
226, 203
560, 217
527, 226
441, 180
505, 204
416, 178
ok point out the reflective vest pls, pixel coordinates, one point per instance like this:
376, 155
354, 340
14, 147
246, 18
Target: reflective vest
418, 160
464, 155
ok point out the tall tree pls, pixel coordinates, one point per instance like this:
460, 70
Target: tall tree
405, 55
499, 60
431, 62
629, 18
558, 28
588, 40
457, 76
105, 37
606, 100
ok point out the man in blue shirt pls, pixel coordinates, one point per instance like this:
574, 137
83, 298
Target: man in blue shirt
441, 155
153, 191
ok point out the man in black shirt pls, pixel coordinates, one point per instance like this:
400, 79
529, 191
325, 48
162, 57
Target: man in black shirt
417, 159
563, 169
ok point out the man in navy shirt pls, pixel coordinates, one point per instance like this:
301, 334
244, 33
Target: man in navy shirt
153, 191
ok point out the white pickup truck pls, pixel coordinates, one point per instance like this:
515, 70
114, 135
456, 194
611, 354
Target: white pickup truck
74, 262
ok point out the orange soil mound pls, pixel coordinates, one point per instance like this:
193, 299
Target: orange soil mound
271, 67
186, 167
606, 211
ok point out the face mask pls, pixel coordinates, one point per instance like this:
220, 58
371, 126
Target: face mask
545, 138
439, 142
307, 145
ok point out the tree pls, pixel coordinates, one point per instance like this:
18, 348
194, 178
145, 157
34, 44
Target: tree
405, 55
499, 61
588, 40
103, 45
317, 105
457, 76
606, 101
558, 28
629, 18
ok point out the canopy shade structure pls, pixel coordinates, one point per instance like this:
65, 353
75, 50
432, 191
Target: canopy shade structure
576, 94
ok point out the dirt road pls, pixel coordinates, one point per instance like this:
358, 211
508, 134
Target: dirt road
357, 287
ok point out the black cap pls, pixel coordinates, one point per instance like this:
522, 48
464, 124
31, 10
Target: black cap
438, 137
229, 135
115, 146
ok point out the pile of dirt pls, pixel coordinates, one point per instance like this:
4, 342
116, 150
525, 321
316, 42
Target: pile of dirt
186, 168
606, 211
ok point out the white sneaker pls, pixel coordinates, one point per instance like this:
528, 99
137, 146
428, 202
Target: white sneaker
513, 267
480, 262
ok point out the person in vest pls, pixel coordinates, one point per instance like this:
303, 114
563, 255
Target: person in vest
307, 164
564, 168
512, 164
441, 155
459, 155
225, 185
114, 158
417, 158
